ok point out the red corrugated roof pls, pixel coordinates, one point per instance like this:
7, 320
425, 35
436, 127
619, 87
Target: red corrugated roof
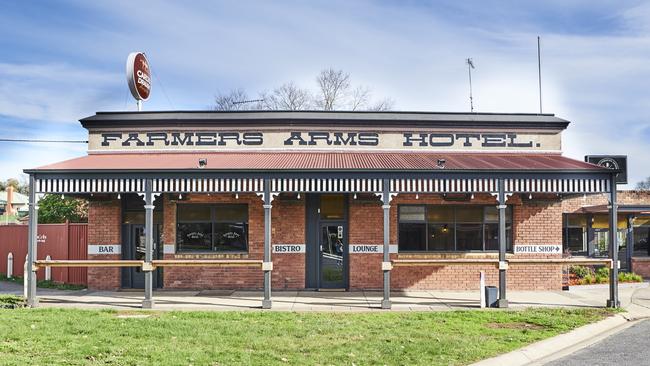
321, 160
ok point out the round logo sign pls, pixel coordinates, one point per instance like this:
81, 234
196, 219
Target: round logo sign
608, 163
138, 75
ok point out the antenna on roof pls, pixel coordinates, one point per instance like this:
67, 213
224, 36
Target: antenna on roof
470, 66
539, 74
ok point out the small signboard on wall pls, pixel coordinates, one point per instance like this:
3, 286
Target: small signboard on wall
538, 249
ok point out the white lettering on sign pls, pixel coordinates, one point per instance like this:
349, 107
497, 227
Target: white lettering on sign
104, 249
41, 238
371, 248
538, 249
288, 248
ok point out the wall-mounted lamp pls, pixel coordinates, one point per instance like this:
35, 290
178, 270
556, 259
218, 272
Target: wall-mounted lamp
236, 196
298, 197
202, 163
441, 163
530, 196
472, 196
180, 196
417, 196
355, 196
119, 197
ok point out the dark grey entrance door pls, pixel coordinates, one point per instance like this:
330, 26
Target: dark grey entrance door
134, 248
333, 254
327, 241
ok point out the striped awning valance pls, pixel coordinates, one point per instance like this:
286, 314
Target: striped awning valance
490, 185
277, 185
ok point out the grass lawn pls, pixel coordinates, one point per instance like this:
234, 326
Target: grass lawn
44, 283
84, 337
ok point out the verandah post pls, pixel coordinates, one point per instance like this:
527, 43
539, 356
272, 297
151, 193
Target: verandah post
147, 267
267, 266
613, 246
503, 265
32, 301
386, 265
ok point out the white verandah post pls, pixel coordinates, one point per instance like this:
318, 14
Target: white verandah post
386, 265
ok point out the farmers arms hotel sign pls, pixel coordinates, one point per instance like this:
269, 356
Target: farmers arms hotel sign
238, 134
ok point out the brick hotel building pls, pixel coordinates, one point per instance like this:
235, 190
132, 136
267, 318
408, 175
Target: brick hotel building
279, 200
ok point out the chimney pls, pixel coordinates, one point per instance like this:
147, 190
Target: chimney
10, 198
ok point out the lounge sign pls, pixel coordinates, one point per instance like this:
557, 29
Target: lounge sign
250, 139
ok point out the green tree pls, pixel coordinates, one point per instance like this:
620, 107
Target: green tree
53, 209
20, 186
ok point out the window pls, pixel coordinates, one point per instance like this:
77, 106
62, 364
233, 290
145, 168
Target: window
214, 228
451, 228
641, 227
575, 233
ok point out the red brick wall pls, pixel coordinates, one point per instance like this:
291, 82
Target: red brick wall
288, 227
366, 226
104, 227
539, 222
288, 220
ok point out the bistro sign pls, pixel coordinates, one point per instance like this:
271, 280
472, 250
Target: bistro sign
210, 139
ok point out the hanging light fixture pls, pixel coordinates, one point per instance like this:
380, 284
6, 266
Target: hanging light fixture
180, 196
530, 196
236, 196
298, 196
355, 196
119, 197
417, 196
472, 196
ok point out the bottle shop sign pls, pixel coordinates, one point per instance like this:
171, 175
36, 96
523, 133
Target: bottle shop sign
138, 75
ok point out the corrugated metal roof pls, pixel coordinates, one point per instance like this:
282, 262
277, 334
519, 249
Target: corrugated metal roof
391, 161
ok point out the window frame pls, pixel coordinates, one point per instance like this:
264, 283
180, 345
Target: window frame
453, 226
213, 222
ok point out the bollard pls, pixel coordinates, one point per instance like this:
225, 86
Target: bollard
10, 265
482, 288
25, 273
48, 270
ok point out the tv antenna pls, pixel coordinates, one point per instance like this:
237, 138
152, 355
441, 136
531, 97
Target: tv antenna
470, 66
539, 73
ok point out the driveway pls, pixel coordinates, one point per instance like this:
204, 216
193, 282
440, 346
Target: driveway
628, 347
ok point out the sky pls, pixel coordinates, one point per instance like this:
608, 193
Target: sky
64, 60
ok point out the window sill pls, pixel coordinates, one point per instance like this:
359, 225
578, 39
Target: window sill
450, 255
211, 255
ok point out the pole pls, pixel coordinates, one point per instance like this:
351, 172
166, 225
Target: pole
148, 301
32, 301
469, 71
503, 265
139, 102
267, 266
539, 73
613, 246
386, 265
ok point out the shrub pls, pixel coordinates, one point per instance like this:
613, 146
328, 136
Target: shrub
11, 301
580, 271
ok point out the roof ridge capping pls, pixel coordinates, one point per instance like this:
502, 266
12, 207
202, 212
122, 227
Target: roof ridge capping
103, 118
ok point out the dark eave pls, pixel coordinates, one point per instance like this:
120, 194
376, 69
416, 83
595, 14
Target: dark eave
324, 118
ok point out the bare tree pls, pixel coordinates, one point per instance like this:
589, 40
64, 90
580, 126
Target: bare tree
385, 104
334, 92
231, 101
332, 88
289, 97
643, 185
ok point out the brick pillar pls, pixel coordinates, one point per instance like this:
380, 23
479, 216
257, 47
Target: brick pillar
104, 228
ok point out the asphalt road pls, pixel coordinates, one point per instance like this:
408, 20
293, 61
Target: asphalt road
629, 347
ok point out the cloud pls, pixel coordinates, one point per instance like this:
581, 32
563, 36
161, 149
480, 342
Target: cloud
53, 92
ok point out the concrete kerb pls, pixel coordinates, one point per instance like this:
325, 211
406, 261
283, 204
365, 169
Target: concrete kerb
551, 349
